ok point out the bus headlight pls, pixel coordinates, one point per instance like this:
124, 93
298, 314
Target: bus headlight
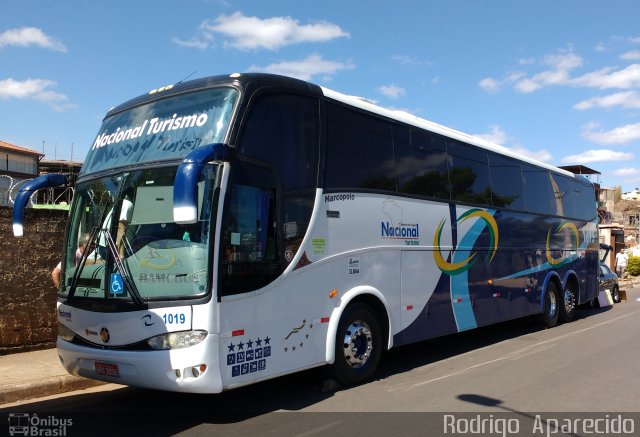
64, 332
176, 340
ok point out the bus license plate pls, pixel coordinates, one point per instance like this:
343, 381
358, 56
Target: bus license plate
107, 369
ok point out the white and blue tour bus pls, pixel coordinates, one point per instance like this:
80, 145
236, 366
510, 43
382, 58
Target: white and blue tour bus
236, 228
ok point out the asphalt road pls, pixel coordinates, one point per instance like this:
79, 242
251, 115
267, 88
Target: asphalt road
510, 370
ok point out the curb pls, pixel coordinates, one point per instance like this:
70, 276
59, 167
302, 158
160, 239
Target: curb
45, 387
628, 284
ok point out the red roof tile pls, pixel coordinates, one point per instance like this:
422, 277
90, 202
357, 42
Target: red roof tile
8, 146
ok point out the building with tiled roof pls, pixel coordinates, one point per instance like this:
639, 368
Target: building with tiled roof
19, 161
17, 165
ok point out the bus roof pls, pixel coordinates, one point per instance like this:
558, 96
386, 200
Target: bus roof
253, 81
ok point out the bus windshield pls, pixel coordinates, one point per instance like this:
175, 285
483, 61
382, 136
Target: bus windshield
123, 242
162, 130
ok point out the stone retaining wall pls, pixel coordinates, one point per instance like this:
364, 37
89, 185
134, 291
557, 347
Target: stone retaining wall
27, 294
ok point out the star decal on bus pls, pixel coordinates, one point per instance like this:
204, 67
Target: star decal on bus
293, 341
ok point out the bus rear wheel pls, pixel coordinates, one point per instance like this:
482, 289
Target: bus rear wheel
569, 304
549, 315
358, 345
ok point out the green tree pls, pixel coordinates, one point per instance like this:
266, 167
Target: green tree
633, 267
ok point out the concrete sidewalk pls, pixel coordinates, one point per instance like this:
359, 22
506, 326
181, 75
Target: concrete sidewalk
29, 375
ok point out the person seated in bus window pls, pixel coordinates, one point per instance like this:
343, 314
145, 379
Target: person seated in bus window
56, 273
82, 246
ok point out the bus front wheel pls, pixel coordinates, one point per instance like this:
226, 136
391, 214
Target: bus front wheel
358, 345
549, 315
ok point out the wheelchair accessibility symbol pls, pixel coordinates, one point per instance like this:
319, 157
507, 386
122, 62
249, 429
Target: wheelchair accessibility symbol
117, 286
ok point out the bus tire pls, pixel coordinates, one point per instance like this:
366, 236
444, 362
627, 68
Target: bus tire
358, 345
568, 304
549, 315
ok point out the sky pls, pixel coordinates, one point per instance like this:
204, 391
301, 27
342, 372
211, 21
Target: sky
558, 81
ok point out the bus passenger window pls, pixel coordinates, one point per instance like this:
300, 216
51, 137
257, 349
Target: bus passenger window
506, 182
469, 174
421, 166
359, 151
539, 199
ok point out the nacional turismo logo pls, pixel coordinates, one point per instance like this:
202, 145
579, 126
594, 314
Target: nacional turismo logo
395, 228
401, 231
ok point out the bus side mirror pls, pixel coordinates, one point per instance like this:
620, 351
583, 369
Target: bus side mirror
185, 187
606, 248
27, 190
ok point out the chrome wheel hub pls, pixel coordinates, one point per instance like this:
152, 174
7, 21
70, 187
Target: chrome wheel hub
357, 344
569, 301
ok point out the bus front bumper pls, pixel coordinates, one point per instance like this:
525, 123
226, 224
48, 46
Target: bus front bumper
194, 369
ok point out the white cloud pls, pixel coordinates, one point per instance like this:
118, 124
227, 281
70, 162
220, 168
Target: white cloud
410, 61
561, 67
392, 91
306, 68
620, 135
526, 61
633, 55
625, 99
405, 59
559, 73
608, 77
498, 136
34, 89
597, 156
541, 155
490, 85
253, 33
201, 42
563, 61
527, 86
627, 171
30, 36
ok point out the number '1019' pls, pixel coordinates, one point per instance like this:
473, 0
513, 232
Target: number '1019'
170, 319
